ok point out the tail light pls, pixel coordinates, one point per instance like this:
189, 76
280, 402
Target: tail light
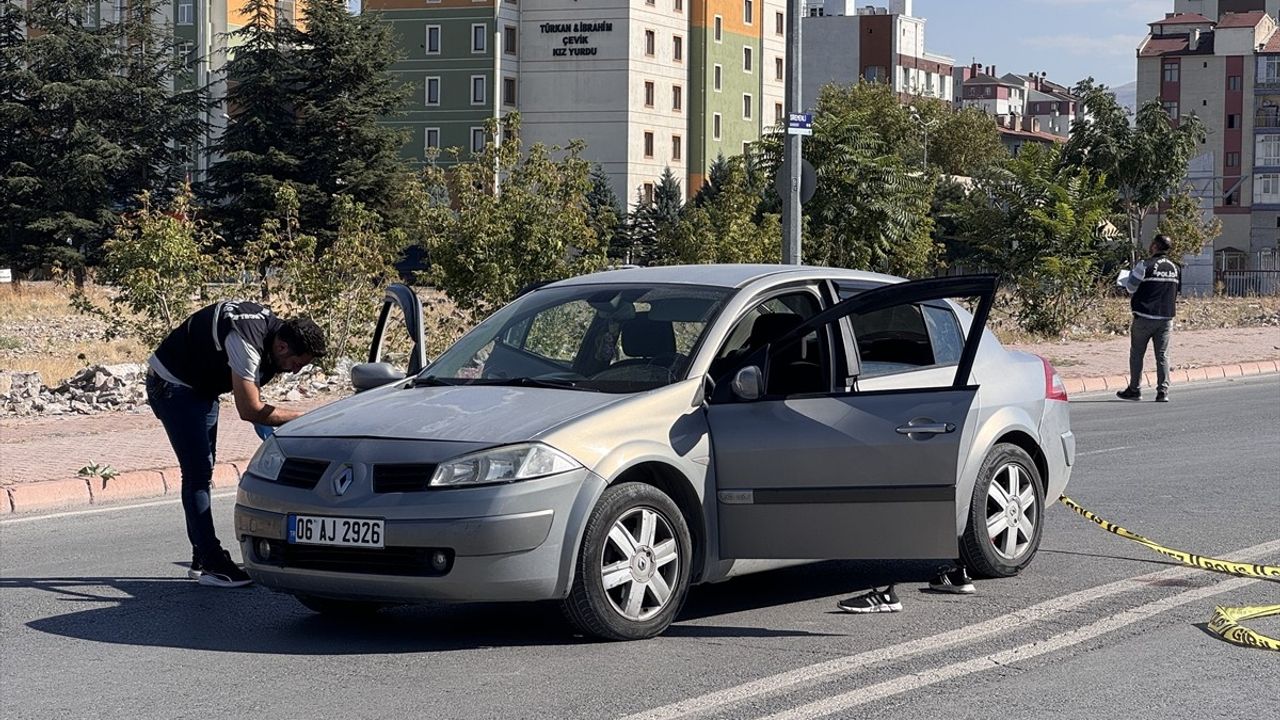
1054, 388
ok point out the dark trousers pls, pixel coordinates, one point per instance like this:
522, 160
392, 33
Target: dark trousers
191, 422
1156, 332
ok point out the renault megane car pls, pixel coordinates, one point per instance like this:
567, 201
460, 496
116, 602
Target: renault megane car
611, 439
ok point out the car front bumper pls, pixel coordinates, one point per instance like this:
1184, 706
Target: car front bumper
513, 542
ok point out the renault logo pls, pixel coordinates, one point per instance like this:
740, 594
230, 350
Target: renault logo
342, 481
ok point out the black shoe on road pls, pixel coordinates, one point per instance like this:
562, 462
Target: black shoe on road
954, 582
876, 601
220, 571
196, 568
1130, 394
1162, 396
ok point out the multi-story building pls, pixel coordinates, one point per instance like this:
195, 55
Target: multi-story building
992, 94
1050, 105
648, 84
843, 43
1224, 68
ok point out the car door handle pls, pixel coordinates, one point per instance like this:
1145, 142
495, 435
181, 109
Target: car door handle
927, 428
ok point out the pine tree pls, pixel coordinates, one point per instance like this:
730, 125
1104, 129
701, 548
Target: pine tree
717, 177
606, 214
653, 224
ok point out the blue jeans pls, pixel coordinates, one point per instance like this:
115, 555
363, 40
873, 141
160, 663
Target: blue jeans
191, 422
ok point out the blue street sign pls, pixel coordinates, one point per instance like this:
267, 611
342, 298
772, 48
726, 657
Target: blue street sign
799, 123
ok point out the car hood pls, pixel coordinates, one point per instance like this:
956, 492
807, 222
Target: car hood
480, 414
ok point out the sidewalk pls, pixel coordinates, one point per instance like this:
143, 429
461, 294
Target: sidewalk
39, 457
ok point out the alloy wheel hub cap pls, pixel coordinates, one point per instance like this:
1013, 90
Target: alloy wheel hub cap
643, 564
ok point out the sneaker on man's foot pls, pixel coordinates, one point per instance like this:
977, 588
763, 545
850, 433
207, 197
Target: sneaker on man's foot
220, 571
196, 568
1162, 396
876, 601
1130, 394
955, 582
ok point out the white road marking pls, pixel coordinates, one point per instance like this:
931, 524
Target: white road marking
110, 508
1099, 452
905, 683
813, 674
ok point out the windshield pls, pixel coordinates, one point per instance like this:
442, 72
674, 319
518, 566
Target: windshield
604, 338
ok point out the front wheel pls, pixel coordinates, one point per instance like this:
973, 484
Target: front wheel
1006, 514
632, 571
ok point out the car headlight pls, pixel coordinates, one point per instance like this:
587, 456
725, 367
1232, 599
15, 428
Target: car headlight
502, 465
266, 463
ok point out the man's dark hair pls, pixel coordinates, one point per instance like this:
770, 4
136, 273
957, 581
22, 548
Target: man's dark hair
303, 336
1162, 243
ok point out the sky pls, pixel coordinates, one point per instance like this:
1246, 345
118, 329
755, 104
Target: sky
1069, 39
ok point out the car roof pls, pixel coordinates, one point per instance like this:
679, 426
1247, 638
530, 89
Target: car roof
726, 276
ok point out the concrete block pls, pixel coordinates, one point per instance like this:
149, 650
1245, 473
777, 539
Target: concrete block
50, 495
127, 486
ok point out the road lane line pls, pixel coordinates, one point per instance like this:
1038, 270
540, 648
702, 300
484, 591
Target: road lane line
1107, 450
915, 681
111, 508
813, 674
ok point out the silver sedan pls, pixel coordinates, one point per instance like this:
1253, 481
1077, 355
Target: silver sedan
610, 440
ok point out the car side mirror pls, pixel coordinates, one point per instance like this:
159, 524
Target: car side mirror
748, 383
367, 376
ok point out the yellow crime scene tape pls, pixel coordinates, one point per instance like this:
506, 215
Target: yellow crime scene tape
1226, 620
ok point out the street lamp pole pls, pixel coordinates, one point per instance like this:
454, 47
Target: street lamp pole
791, 211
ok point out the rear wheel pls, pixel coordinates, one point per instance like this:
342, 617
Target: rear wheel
632, 571
1006, 514
339, 608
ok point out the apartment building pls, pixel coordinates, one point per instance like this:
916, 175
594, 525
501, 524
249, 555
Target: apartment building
1225, 68
843, 43
648, 84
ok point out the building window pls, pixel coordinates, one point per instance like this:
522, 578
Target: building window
650, 2
1230, 200
677, 98
679, 5
510, 41
186, 12
748, 11
648, 144
778, 113
1269, 69
478, 139
433, 91
1235, 82
716, 73
477, 89
1233, 120
509, 91
876, 73
779, 24
715, 126
650, 42
677, 48
478, 35
1268, 151
778, 69
1267, 189
1233, 159
433, 39
718, 29
746, 60
648, 93
646, 193
1172, 71
431, 138
677, 147
747, 104
1171, 109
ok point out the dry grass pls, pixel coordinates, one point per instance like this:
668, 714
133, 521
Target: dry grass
1110, 317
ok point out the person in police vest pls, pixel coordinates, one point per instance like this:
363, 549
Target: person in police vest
234, 346
1154, 285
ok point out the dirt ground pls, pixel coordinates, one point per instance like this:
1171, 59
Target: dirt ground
1187, 349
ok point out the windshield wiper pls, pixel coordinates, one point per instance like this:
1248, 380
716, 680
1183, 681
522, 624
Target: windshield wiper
556, 383
431, 381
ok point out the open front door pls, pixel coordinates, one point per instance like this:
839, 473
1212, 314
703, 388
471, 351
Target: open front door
842, 473
376, 372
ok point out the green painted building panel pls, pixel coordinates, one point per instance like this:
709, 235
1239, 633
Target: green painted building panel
728, 101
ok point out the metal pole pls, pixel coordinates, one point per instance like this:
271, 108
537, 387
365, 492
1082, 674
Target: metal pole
791, 211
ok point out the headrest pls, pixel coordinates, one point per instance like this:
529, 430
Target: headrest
770, 327
642, 337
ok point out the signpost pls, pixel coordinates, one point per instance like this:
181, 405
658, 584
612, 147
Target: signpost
791, 149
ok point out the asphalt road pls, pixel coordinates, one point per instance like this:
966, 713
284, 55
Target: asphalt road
98, 619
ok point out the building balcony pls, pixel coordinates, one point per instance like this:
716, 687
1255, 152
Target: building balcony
1266, 121
1266, 84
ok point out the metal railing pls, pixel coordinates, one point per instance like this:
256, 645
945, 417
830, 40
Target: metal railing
1266, 120
1247, 282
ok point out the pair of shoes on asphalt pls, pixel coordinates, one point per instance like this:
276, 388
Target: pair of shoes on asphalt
953, 582
1136, 394
222, 572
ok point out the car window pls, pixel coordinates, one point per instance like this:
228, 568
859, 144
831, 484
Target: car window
801, 367
944, 334
892, 340
556, 333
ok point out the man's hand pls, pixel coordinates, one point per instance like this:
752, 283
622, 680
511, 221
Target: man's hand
251, 407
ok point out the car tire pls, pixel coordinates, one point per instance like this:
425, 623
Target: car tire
1001, 537
339, 608
621, 596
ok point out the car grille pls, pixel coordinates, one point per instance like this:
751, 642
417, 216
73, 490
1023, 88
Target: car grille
402, 478
398, 561
302, 473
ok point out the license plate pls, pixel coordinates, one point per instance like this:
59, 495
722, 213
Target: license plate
342, 532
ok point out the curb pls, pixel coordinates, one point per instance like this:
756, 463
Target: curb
133, 485
141, 484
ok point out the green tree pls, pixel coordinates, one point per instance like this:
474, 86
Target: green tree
486, 245
653, 223
1184, 222
606, 213
965, 142
1144, 162
1042, 224
725, 225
